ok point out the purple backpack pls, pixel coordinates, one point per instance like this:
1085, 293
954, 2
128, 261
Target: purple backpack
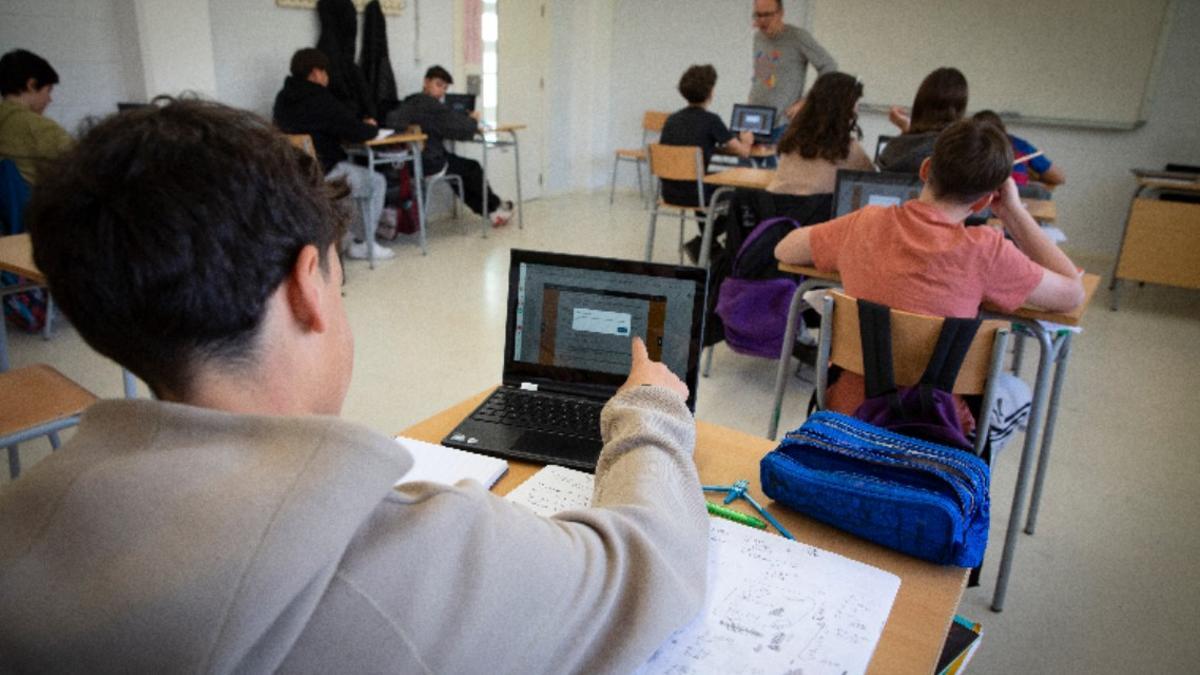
927, 410
753, 303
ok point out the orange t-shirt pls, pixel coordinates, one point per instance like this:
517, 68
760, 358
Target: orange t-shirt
912, 258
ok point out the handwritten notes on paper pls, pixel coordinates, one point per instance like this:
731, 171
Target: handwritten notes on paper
554, 489
778, 606
773, 605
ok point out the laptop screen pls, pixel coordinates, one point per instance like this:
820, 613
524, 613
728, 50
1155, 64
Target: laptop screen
571, 318
756, 119
463, 103
856, 189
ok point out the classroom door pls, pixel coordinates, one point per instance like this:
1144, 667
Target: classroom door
523, 51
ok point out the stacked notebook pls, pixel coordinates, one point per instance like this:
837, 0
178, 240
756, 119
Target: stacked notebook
439, 464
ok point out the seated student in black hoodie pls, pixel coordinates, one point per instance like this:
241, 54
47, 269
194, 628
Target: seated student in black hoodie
306, 106
439, 122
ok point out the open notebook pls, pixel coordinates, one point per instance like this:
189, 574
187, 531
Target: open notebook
439, 464
773, 605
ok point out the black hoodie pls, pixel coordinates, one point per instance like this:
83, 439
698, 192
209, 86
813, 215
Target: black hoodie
339, 31
438, 121
304, 107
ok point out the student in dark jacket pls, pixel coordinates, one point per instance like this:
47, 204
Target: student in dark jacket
306, 106
439, 122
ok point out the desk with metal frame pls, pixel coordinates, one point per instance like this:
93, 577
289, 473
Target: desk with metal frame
929, 594
16, 256
1160, 242
1055, 350
491, 138
381, 151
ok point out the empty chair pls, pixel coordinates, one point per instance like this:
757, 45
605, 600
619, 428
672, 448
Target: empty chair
652, 124
678, 163
37, 401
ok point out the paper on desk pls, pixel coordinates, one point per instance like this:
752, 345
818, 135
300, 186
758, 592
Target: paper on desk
384, 132
773, 605
439, 464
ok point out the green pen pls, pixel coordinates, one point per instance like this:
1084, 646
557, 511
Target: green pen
735, 516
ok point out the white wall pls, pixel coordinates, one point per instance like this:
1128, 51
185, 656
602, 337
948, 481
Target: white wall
176, 47
82, 41
254, 40
577, 143
648, 59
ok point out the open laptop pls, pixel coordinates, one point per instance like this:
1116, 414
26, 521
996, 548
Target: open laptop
757, 119
463, 103
567, 350
856, 189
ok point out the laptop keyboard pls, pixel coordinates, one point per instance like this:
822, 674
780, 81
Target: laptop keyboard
542, 412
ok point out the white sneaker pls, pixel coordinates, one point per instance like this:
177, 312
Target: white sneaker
502, 215
358, 251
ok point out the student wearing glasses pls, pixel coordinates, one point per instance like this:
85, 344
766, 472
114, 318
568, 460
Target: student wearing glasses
782, 53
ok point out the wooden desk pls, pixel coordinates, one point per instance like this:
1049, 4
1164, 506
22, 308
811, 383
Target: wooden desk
1160, 243
397, 150
16, 256
494, 137
1054, 352
929, 594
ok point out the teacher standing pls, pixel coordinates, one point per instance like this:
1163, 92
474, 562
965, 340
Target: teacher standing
782, 53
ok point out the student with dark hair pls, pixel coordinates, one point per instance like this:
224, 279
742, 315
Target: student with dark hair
1044, 172
27, 136
234, 523
438, 121
822, 138
695, 125
920, 257
306, 106
941, 100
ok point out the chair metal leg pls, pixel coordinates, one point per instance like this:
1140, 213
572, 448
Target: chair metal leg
612, 185
641, 189
682, 221
46, 327
708, 360
650, 236
14, 462
1018, 352
54, 442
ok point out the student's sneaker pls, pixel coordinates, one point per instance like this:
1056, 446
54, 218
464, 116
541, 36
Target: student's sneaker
502, 215
358, 251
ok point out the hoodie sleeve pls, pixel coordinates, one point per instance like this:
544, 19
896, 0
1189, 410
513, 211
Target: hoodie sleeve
618, 578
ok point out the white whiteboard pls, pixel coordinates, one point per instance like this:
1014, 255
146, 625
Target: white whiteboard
1073, 62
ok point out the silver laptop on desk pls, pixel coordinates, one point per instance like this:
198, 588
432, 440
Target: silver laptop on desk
567, 350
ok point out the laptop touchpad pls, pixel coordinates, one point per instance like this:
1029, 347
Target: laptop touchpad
582, 450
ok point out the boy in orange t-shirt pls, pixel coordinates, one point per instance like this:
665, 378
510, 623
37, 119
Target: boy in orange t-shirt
920, 257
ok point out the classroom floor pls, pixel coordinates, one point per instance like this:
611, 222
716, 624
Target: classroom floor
1109, 584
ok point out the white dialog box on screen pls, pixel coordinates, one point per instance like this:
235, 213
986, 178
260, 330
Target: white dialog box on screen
599, 321
883, 200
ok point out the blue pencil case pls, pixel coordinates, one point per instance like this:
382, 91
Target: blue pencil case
927, 500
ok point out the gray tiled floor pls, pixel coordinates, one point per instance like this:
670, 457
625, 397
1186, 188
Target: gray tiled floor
1110, 583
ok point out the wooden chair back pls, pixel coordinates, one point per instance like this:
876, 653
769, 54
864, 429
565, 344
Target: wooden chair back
676, 162
304, 142
913, 340
653, 121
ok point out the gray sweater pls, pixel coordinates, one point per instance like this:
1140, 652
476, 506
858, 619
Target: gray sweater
781, 66
167, 538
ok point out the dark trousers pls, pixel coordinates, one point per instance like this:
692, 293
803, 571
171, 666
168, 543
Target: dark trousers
472, 178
